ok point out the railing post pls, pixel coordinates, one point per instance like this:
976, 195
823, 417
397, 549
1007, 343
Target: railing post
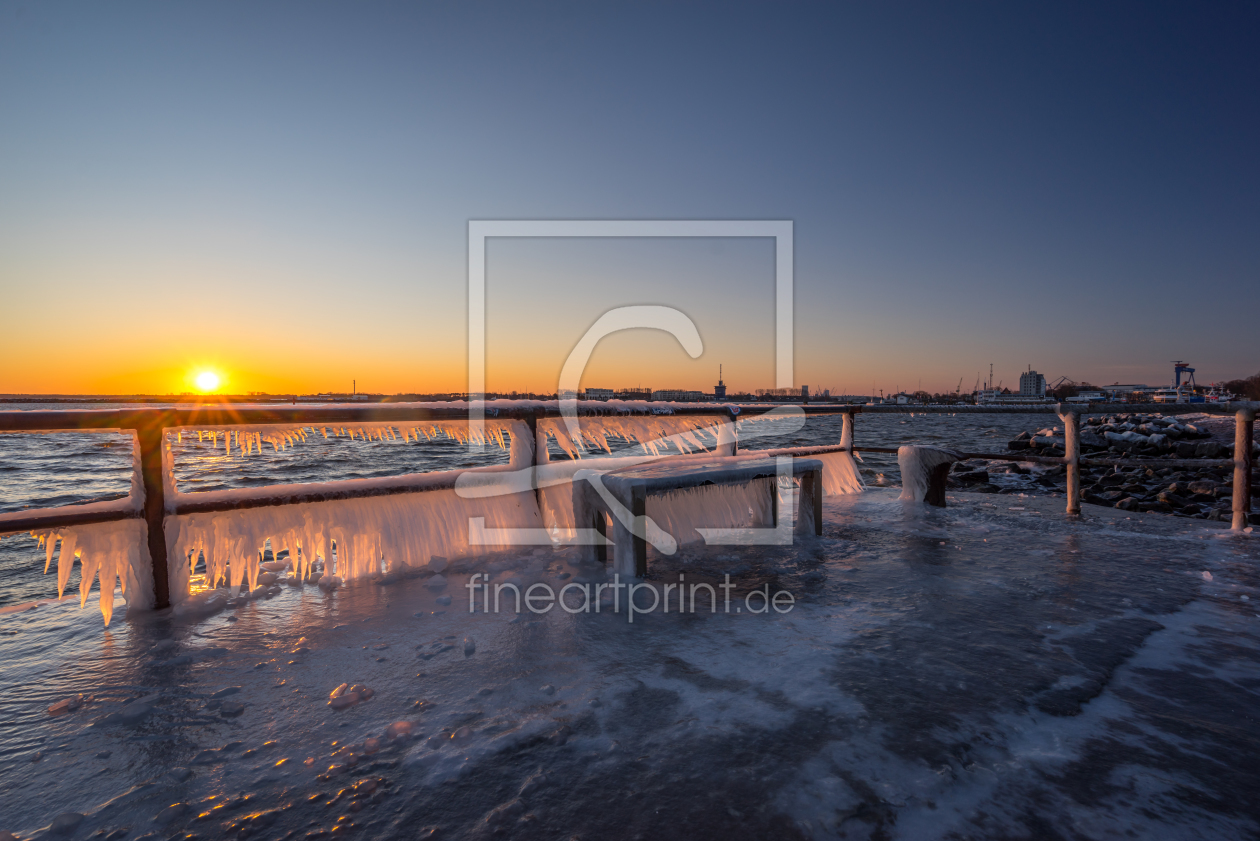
938, 479
152, 438
1072, 455
1244, 430
531, 423
846, 431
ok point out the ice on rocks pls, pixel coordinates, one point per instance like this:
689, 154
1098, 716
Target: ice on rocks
347, 695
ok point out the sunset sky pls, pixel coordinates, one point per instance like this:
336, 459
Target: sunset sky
280, 192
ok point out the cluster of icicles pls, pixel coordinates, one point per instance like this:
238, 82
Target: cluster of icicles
345, 539
249, 439
652, 432
114, 552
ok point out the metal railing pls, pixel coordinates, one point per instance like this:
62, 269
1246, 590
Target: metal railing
150, 426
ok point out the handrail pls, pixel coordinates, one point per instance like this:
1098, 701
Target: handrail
151, 424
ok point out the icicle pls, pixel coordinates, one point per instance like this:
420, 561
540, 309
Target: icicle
65, 562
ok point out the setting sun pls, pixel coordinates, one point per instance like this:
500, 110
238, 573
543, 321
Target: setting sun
207, 381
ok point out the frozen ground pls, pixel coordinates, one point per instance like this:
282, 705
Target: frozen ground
983, 671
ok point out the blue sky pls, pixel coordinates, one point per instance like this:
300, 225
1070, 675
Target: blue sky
282, 191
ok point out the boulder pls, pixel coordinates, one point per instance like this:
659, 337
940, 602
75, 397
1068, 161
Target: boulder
1201, 486
1206, 449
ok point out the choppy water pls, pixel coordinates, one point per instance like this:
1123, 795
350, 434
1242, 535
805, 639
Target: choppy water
66, 468
990, 670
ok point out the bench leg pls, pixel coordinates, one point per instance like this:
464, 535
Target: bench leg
601, 526
638, 507
774, 503
816, 497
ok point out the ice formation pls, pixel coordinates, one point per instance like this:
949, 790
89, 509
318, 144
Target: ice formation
116, 551
346, 539
352, 538
112, 551
916, 465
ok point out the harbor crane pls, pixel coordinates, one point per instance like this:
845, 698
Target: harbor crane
1180, 368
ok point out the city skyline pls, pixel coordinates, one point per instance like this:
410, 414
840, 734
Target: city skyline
281, 196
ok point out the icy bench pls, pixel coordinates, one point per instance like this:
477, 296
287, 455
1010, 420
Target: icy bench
631, 487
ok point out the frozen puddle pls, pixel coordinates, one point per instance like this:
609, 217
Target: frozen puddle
974, 672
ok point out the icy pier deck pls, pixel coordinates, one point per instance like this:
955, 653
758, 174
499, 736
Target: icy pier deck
987, 670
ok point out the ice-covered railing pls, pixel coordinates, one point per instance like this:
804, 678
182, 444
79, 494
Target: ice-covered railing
375, 526
334, 523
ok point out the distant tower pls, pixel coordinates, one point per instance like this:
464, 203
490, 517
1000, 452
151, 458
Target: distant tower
719, 390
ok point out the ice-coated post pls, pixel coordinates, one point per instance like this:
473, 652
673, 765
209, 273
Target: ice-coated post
1244, 431
937, 479
1072, 455
638, 507
811, 495
533, 446
727, 443
924, 472
846, 431
151, 438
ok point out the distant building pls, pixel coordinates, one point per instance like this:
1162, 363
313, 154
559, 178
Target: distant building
676, 396
1032, 384
719, 390
599, 394
634, 394
805, 393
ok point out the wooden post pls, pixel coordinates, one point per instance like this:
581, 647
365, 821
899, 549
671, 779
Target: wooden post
152, 438
936, 485
1244, 431
638, 507
774, 503
1072, 455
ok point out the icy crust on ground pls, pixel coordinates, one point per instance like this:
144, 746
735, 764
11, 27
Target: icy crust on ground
981, 671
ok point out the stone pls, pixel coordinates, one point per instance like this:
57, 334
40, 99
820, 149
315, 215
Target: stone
65, 823
1202, 486
1205, 449
1127, 504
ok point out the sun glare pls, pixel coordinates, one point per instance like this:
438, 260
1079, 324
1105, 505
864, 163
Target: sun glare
207, 381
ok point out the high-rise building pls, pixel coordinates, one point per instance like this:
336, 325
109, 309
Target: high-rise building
719, 390
1032, 384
